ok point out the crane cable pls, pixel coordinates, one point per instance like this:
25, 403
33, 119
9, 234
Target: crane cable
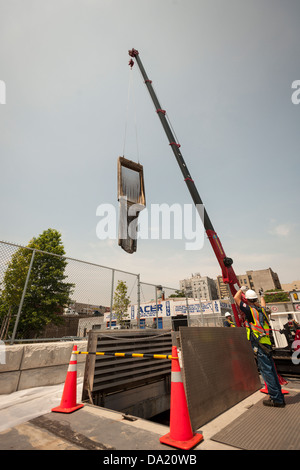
131, 91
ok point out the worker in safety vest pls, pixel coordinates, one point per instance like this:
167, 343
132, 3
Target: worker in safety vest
228, 320
258, 332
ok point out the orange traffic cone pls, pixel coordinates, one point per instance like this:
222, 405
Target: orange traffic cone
68, 402
181, 434
265, 390
282, 381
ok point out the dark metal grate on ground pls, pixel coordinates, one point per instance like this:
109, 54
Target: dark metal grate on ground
265, 428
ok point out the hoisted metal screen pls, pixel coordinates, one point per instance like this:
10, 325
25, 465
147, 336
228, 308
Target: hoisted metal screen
131, 197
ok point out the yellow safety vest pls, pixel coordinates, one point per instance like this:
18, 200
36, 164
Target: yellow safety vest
231, 323
262, 333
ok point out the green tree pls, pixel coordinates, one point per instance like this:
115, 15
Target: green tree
276, 295
121, 302
178, 293
47, 293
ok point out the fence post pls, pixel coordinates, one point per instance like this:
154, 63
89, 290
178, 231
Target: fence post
111, 297
138, 301
22, 299
156, 309
201, 309
187, 311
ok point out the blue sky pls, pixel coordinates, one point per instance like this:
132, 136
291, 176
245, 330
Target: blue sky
223, 70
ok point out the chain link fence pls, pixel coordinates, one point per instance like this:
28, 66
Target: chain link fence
47, 296
44, 297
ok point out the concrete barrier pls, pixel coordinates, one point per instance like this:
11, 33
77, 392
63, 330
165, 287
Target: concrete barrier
33, 365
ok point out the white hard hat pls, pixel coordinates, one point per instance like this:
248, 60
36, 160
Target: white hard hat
227, 314
251, 294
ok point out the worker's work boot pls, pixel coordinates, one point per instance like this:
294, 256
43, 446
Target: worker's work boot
271, 402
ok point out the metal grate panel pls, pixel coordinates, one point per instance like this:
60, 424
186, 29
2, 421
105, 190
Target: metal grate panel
265, 428
219, 370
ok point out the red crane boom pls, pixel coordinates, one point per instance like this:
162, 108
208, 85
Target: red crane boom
228, 274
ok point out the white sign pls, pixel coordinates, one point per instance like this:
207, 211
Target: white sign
173, 307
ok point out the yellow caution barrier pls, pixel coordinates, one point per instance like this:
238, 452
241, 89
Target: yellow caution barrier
119, 354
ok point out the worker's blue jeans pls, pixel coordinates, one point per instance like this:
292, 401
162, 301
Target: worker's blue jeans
268, 371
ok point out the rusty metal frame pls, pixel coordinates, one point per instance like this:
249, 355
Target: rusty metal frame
123, 162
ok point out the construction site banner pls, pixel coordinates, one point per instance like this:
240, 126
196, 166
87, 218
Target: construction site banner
174, 307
